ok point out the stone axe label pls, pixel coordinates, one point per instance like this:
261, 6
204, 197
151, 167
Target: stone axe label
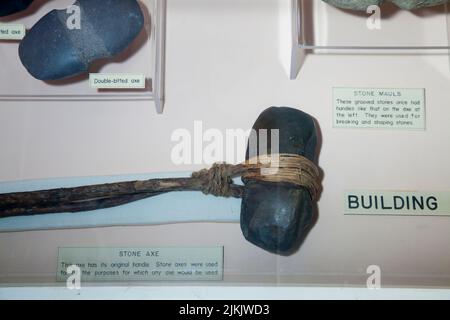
141, 264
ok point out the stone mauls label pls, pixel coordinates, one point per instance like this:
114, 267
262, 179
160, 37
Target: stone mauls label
379, 108
397, 203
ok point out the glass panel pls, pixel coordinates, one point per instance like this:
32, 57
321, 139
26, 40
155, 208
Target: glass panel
143, 56
322, 26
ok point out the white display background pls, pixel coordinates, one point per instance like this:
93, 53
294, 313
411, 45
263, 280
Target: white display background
225, 65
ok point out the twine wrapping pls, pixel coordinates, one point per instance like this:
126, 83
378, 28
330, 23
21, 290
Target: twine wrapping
279, 168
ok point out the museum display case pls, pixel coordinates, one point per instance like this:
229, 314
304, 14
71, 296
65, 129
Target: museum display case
117, 62
318, 27
301, 144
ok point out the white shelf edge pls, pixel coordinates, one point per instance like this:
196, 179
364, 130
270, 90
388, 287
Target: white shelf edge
298, 50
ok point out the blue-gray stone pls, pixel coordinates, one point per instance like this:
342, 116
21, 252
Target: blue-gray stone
8, 7
416, 4
362, 5
56, 49
274, 216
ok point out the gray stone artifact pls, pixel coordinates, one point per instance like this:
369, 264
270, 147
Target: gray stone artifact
54, 49
274, 216
362, 5
415, 4
8, 7
277, 208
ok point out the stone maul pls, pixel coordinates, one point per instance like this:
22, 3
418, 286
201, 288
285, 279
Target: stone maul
362, 5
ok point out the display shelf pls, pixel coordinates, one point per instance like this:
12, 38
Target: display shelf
318, 27
146, 55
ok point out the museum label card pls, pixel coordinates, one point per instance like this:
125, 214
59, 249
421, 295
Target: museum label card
141, 264
12, 31
116, 81
414, 203
379, 108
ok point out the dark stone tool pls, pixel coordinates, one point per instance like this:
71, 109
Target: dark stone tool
9, 7
55, 49
277, 208
275, 216
417, 4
